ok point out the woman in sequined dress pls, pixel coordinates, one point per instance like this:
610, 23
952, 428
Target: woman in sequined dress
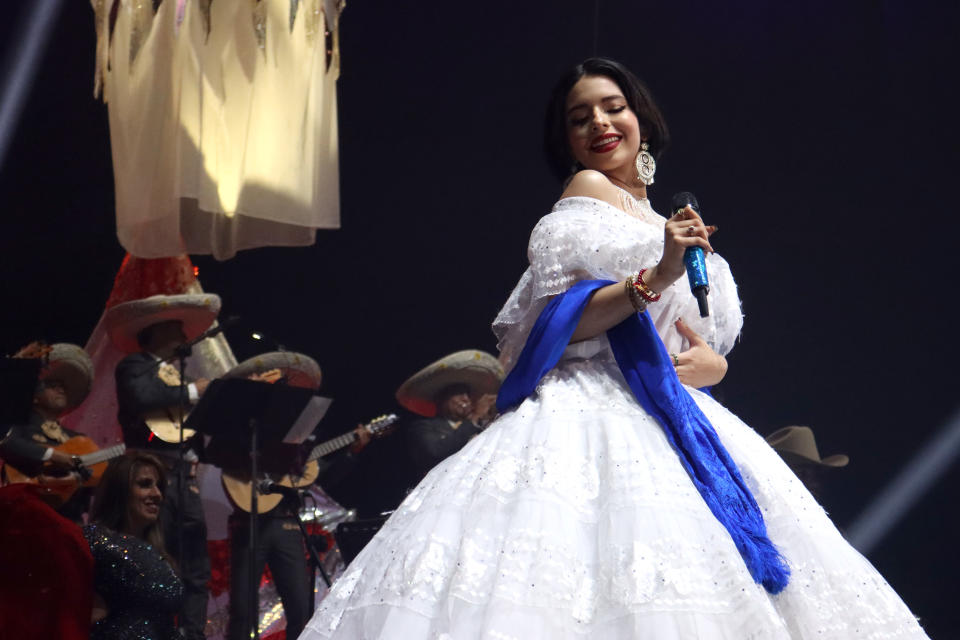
574, 515
137, 591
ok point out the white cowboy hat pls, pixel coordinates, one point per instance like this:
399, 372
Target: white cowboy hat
196, 311
71, 365
799, 444
480, 371
299, 370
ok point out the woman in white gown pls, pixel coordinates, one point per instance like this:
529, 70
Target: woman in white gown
577, 514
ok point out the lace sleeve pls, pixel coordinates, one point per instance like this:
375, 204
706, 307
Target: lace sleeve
584, 238
581, 239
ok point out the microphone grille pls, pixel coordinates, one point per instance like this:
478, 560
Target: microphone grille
682, 199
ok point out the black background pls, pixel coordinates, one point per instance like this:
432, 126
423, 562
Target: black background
820, 136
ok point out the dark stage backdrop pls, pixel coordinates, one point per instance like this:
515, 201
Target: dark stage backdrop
820, 136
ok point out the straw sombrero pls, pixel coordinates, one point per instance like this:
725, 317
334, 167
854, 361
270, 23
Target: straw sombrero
798, 444
196, 311
71, 365
299, 370
478, 370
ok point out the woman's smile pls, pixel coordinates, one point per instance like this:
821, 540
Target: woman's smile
606, 143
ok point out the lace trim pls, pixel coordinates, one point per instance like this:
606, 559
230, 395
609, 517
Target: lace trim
640, 208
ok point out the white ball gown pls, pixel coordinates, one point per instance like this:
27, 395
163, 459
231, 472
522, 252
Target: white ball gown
572, 517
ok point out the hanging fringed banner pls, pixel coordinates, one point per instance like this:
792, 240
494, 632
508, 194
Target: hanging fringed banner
222, 122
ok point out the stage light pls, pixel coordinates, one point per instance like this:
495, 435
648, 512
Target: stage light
907, 488
23, 58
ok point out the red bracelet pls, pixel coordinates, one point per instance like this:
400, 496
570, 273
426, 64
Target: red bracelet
648, 294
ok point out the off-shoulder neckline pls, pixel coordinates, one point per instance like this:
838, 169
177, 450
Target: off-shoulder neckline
558, 205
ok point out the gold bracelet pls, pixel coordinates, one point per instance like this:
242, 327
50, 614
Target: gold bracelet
639, 304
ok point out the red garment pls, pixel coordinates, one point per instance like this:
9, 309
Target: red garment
143, 277
46, 581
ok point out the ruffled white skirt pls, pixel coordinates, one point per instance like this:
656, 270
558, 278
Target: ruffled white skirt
572, 517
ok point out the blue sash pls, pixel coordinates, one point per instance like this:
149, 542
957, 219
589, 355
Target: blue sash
649, 372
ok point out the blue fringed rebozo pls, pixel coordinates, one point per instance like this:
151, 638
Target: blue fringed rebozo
649, 372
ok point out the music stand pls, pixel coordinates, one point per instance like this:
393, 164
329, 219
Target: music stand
237, 412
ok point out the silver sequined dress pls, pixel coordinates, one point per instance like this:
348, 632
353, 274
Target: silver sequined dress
571, 517
141, 589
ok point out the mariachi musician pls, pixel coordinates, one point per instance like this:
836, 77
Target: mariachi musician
46, 562
279, 541
798, 448
452, 398
152, 401
32, 448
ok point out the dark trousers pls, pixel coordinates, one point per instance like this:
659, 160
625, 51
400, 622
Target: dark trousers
194, 561
279, 545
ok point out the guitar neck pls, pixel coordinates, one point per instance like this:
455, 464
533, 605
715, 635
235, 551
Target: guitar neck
328, 447
102, 455
375, 428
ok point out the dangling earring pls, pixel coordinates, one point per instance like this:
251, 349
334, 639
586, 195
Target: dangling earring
646, 165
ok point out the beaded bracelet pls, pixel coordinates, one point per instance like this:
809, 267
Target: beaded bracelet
639, 304
648, 294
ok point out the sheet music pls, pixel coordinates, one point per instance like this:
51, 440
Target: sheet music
309, 418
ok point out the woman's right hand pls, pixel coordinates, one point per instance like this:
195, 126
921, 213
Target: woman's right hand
684, 229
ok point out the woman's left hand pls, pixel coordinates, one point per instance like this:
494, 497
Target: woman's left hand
699, 366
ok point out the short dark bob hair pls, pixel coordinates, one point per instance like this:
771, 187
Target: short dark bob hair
652, 124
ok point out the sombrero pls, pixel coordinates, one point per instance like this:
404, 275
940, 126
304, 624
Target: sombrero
799, 444
299, 370
196, 311
71, 365
478, 370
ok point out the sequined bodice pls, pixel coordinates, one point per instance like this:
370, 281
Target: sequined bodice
141, 589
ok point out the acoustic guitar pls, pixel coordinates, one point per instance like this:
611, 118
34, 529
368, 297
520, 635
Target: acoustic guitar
58, 489
165, 423
239, 488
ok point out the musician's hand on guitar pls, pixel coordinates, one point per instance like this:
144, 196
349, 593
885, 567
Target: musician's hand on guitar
201, 384
71, 479
61, 459
363, 439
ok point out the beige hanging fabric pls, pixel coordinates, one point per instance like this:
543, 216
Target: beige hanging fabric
223, 122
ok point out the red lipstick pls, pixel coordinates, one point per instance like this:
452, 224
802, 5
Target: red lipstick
612, 143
